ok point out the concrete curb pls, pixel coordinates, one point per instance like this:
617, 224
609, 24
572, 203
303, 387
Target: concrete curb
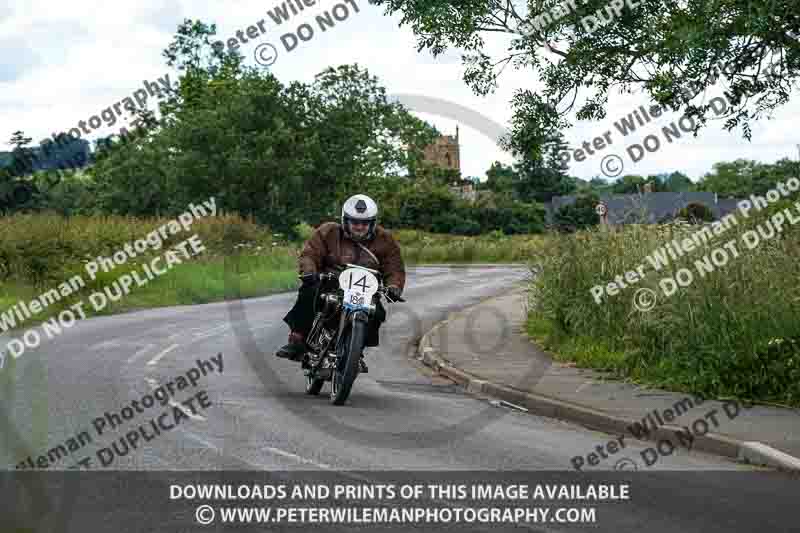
751, 452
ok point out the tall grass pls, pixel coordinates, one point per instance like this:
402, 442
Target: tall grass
733, 332
421, 247
38, 252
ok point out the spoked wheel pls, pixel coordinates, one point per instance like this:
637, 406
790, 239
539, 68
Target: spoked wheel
313, 385
347, 363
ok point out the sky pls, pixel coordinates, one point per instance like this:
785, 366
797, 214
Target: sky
65, 62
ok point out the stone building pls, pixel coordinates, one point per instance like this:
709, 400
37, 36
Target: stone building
464, 189
444, 152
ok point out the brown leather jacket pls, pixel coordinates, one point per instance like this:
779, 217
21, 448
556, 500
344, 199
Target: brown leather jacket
328, 246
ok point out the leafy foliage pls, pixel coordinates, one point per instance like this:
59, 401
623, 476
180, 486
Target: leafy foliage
696, 213
672, 50
430, 206
280, 153
579, 215
743, 177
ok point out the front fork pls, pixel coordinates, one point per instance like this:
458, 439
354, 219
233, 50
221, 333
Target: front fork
348, 318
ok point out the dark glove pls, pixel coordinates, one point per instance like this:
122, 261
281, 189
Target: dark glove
393, 292
310, 279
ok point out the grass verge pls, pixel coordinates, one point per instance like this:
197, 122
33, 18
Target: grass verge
729, 333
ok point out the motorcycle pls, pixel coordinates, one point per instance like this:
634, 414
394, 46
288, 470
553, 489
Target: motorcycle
344, 302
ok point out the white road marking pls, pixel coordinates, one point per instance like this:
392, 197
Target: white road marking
342, 473
583, 385
217, 334
296, 457
154, 385
157, 358
139, 353
265, 326
173, 403
276, 451
209, 445
212, 331
104, 344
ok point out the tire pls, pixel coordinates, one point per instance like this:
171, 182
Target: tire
345, 374
313, 385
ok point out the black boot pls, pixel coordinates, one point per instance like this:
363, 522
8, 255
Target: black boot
294, 350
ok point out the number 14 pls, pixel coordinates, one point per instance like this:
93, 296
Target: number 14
360, 283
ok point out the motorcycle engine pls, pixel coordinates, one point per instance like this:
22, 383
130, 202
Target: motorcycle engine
322, 340
331, 303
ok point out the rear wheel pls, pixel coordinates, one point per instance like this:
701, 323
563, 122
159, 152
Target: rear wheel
347, 362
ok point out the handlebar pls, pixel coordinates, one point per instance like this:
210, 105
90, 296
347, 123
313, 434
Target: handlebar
383, 291
331, 275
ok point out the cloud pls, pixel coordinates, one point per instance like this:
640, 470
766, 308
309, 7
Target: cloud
64, 62
32, 47
18, 59
5, 12
164, 16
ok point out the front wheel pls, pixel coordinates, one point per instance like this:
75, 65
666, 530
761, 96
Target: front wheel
347, 362
313, 385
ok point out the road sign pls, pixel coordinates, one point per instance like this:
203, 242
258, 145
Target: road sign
601, 209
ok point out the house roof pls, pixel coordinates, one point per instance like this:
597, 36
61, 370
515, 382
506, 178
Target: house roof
650, 207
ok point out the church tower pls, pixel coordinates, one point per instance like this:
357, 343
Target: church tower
444, 152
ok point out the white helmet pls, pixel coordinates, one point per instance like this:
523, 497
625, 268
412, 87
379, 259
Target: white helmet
364, 209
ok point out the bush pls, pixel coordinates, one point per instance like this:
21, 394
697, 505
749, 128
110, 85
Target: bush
445, 222
696, 213
302, 232
434, 208
579, 215
42, 249
467, 227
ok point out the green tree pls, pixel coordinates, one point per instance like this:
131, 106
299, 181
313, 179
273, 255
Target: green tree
579, 215
629, 184
696, 213
600, 186
22, 157
540, 172
427, 171
678, 182
500, 178
735, 178
672, 50
281, 153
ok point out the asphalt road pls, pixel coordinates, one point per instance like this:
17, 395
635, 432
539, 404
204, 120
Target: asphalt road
399, 416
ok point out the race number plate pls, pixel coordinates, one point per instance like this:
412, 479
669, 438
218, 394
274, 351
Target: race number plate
359, 286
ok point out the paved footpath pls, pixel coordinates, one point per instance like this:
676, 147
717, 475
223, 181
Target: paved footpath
485, 349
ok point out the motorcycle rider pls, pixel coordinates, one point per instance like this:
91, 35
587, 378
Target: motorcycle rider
359, 240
